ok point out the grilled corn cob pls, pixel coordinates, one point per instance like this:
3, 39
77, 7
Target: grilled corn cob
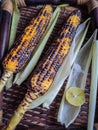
21, 52
47, 67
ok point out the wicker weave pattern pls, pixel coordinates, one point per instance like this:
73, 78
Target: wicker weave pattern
41, 118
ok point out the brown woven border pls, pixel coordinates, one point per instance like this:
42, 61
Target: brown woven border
41, 118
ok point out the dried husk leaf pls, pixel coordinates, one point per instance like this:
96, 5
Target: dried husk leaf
94, 83
65, 69
9, 83
20, 77
14, 24
68, 113
49, 96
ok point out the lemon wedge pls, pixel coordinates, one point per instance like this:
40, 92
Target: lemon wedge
75, 96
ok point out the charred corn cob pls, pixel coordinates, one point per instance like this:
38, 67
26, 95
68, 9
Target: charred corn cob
47, 67
21, 52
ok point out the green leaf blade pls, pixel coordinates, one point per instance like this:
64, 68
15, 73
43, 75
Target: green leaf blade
49, 96
35, 57
15, 21
93, 87
14, 24
77, 78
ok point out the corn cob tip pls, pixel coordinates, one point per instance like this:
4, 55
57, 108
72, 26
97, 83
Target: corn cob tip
75, 17
6, 75
49, 7
43, 78
22, 50
77, 12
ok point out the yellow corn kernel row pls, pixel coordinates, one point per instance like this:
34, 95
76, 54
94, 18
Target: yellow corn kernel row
47, 67
19, 55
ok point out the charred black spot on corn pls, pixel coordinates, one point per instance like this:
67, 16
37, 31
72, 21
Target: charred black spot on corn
19, 55
21, 52
45, 71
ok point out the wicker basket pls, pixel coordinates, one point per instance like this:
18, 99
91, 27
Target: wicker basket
41, 118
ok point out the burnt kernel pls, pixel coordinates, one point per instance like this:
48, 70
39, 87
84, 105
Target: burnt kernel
46, 76
41, 93
57, 55
54, 55
38, 30
25, 45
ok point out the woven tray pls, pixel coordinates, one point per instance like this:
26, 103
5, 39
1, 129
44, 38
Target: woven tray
41, 118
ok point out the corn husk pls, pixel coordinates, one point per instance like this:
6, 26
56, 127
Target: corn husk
14, 24
9, 83
93, 87
20, 77
64, 70
68, 113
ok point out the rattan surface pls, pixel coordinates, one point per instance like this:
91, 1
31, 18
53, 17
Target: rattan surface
41, 118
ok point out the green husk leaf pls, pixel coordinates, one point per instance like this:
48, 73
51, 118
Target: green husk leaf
66, 67
14, 24
93, 87
68, 113
62, 5
9, 83
48, 97
20, 77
